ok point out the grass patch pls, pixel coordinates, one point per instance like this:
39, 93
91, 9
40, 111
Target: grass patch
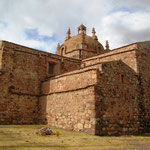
23, 137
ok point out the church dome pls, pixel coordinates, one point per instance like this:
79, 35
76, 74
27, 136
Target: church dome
80, 45
76, 42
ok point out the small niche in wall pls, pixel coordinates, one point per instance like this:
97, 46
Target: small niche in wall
122, 78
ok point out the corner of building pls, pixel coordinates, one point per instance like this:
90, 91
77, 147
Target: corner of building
1, 55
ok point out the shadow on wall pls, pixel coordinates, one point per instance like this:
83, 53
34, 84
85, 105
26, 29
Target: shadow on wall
42, 109
143, 64
119, 105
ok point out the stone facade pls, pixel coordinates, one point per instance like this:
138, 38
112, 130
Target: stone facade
83, 87
22, 71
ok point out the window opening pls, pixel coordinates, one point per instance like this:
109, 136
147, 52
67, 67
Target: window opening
63, 51
51, 68
122, 78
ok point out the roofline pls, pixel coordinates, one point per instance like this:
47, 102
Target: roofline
122, 49
2, 42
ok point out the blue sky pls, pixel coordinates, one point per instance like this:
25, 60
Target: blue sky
41, 24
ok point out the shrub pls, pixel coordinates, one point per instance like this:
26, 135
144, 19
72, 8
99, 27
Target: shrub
57, 133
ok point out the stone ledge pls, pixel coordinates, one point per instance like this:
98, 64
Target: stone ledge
16, 92
82, 50
66, 91
73, 73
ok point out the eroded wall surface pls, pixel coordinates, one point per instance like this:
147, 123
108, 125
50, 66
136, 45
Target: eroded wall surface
19, 87
143, 55
23, 69
117, 100
68, 101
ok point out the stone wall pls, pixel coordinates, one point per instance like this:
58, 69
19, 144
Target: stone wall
104, 95
87, 54
68, 101
73, 54
64, 82
117, 100
103, 100
143, 61
1, 53
126, 54
69, 65
19, 87
23, 69
81, 54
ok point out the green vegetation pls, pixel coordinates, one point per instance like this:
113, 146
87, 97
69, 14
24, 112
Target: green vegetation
24, 137
57, 133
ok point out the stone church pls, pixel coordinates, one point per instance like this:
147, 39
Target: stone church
83, 87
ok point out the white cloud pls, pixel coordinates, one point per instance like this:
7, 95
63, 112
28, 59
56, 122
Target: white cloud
133, 5
120, 22
122, 28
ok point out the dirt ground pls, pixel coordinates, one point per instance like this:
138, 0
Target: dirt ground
24, 137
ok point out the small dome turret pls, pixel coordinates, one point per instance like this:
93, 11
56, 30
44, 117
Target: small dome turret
94, 36
81, 29
68, 34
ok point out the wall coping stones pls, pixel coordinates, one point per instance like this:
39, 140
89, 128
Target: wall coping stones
33, 51
131, 47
